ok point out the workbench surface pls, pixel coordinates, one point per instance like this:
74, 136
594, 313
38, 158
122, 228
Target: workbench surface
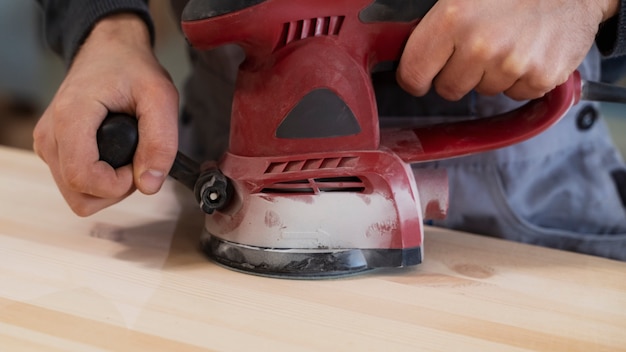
131, 278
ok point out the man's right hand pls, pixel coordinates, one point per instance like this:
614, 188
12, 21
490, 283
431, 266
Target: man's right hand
115, 70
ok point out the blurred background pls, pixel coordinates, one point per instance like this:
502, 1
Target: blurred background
30, 73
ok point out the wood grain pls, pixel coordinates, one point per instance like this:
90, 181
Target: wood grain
131, 278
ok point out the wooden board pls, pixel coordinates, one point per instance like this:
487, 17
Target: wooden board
131, 278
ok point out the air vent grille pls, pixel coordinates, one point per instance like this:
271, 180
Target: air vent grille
313, 27
311, 164
318, 185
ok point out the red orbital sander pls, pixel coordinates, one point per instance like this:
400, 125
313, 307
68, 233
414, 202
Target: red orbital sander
310, 186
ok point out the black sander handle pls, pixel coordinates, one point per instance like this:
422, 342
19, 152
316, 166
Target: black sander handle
117, 140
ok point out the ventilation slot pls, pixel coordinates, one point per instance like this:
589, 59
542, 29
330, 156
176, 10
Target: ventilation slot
351, 184
340, 184
311, 164
314, 27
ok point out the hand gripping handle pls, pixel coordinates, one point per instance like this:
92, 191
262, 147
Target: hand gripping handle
117, 139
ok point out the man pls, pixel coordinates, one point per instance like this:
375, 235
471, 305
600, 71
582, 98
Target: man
564, 188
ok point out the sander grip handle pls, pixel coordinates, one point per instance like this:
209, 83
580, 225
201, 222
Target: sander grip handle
444, 141
118, 137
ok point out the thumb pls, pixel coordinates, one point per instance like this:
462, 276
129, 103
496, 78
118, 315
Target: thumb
157, 117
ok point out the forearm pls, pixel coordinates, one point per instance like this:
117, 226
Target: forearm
611, 38
69, 22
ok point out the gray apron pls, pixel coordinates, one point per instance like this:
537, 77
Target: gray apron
565, 188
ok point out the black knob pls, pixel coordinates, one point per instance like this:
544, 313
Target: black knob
117, 139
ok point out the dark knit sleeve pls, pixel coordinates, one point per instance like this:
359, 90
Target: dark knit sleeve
611, 38
69, 22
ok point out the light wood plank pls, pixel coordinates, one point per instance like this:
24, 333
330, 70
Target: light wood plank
131, 278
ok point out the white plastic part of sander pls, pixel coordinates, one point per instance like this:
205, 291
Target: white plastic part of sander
323, 220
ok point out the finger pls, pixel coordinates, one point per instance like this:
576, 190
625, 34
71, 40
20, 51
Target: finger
43, 144
521, 90
537, 82
157, 114
426, 52
81, 204
85, 204
459, 76
78, 162
502, 77
503, 74
493, 84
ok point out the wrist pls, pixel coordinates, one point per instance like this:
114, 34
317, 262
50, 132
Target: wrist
123, 27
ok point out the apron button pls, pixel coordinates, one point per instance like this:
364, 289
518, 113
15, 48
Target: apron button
587, 116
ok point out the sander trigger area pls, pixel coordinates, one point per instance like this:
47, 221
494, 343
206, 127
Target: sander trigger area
313, 187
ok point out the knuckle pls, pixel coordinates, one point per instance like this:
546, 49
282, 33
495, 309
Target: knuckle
455, 12
39, 140
82, 209
412, 80
542, 79
161, 143
38, 137
74, 179
481, 49
162, 158
159, 86
522, 92
541, 84
449, 92
80, 204
513, 66
157, 153
63, 105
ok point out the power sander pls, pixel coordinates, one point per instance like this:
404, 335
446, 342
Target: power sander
311, 186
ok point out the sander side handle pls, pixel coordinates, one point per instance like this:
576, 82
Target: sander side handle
449, 140
117, 139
